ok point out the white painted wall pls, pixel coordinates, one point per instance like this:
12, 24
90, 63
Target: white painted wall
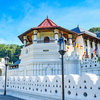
83, 87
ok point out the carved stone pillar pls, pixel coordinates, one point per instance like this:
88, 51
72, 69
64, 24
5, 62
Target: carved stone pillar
35, 36
70, 38
25, 41
56, 34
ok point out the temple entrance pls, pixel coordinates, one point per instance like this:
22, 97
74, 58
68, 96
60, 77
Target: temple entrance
46, 40
0, 72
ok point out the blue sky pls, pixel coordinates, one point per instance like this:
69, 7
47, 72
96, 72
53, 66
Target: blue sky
17, 16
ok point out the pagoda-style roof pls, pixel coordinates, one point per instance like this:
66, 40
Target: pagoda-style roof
82, 31
46, 24
98, 35
16, 63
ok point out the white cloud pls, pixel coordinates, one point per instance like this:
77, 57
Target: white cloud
67, 17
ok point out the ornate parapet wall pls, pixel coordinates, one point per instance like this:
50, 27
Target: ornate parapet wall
42, 67
76, 87
90, 66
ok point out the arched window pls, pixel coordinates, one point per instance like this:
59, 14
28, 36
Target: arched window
46, 40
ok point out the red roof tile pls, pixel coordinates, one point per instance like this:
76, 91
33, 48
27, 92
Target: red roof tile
47, 23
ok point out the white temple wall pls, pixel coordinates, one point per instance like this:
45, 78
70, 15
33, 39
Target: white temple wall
76, 87
48, 67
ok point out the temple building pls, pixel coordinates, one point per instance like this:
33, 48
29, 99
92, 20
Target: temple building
39, 55
89, 40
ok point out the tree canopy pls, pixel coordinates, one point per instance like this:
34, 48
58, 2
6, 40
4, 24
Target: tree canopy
12, 50
94, 29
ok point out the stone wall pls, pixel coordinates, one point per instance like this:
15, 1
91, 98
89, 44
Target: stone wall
76, 87
90, 66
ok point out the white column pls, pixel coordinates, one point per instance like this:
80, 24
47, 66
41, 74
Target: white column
70, 38
25, 41
35, 36
98, 49
84, 45
56, 34
89, 48
93, 44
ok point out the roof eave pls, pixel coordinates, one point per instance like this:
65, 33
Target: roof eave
23, 34
89, 35
37, 28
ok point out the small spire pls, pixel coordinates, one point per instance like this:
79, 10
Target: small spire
47, 16
78, 25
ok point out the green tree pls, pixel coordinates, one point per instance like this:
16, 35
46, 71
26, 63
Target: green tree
94, 29
12, 50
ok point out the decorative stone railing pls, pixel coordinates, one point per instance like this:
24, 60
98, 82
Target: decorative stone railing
86, 87
90, 65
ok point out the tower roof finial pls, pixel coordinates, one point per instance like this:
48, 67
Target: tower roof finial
47, 16
78, 25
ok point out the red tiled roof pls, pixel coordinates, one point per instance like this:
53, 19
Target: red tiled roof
47, 23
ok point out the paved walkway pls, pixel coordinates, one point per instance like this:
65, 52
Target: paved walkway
9, 98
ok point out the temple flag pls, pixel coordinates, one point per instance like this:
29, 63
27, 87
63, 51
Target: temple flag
84, 53
95, 50
86, 50
78, 45
67, 48
81, 47
75, 44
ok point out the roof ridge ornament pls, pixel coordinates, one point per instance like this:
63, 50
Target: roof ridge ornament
47, 16
78, 25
